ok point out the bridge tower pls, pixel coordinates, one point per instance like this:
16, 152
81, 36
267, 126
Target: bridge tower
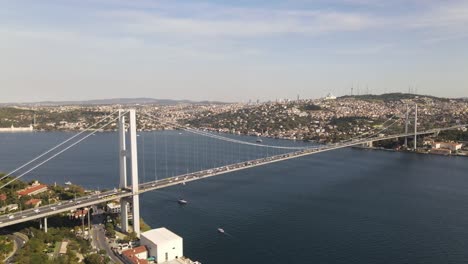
406, 125
131, 154
415, 127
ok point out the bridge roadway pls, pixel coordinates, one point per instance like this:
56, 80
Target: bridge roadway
86, 201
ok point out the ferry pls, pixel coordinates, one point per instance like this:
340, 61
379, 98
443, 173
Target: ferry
182, 201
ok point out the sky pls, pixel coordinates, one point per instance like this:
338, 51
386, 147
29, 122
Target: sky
230, 50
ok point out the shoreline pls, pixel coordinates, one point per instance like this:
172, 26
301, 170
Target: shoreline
406, 151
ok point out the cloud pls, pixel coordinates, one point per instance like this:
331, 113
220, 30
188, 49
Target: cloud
378, 48
241, 22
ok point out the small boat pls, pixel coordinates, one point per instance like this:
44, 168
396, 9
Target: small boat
220, 230
68, 183
182, 201
259, 140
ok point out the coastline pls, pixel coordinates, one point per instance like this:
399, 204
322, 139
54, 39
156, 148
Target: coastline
407, 151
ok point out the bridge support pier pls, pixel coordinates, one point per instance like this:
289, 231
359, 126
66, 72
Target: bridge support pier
406, 126
45, 224
415, 127
124, 215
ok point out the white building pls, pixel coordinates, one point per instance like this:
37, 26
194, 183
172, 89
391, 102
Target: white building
330, 96
447, 145
162, 244
17, 129
113, 208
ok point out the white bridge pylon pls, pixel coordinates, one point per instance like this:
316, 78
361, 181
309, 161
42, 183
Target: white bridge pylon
124, 155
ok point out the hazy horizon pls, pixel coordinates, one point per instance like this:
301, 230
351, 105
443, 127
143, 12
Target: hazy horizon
74, 50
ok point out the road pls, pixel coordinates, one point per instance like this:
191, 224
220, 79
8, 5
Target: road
19, 241
99, 237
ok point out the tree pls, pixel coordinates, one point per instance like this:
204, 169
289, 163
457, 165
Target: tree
131, 237
144, 226
94, 259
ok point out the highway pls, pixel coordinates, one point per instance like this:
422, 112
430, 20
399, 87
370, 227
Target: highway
87, 201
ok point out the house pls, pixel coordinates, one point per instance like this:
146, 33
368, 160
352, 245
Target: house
9, 208
138, 255
78, 214
35, 188
447, 145
113, 208
33, 202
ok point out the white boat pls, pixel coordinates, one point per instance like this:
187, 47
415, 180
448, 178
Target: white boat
182, 201
68, 183
259, 140
220, 230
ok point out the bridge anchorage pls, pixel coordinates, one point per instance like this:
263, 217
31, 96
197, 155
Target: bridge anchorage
130, 154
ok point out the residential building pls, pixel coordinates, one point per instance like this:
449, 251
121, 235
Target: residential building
162, 244
138, 255
35, 188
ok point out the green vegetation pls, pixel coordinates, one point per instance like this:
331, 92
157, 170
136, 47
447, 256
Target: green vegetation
54, 194
144, 226
130, 237
310, 107
6, 246
15, 116
47, 119
96, 259
40, 247
67, 193
453, 135
346, 124
391, 97
110, 229
10, 191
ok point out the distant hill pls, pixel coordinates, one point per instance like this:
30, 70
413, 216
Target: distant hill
391, 96
113, 101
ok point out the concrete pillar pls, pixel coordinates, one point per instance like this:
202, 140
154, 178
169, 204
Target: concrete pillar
406, 125
45, 224
89, 221
134, 172
122, 153
123, 171
415, 127
124, 214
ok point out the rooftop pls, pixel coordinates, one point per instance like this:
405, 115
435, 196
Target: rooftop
32, 189
160, 235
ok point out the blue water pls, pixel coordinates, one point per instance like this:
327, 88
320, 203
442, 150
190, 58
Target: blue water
343, 206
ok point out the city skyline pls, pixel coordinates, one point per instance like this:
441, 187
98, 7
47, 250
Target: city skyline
82, 50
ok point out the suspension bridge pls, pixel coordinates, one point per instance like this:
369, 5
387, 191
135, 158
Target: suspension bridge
130, 186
